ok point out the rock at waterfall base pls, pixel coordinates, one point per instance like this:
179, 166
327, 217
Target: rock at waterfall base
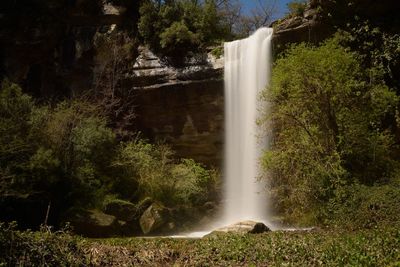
244, 227
153, 218
122, 210
93, 223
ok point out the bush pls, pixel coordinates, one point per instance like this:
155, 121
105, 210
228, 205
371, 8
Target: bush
218, 51
15, 124
297, 7
79, 139
328, 119
191, 182
178, 37
359, 206
161, 179
173, 29
377, 48
42, 248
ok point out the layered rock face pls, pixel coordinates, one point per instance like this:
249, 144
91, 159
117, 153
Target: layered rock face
181, 106
310, 27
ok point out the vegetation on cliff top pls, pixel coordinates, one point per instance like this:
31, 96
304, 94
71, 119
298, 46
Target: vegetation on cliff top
174, 28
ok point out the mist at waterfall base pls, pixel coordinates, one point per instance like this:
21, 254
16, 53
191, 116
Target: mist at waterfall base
247, 72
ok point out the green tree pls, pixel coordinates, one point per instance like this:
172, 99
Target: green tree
174, 29
327, 117
159, 177
297, 7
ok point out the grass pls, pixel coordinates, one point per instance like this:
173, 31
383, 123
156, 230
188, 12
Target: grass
376, 247
369, 247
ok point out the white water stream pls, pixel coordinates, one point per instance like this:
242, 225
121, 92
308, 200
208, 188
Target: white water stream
247, 72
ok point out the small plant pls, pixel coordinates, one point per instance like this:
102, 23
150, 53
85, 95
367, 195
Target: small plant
218, 51
297, 7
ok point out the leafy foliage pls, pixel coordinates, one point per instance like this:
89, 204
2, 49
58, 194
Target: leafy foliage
15, 110
360, 206
329, 129
297, 7
376, 48
160, 178
42, 248
69, 153
175, 28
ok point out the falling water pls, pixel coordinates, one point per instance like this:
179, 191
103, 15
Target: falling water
247, 70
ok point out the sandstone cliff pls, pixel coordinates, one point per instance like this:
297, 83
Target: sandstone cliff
182, 106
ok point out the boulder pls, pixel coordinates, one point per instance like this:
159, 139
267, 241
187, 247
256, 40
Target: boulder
121, 209
142, 206
153, 218
244, 227
128, 214
93, 223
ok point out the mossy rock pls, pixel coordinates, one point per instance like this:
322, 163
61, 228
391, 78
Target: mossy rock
93, 223
121, 209
154, 218
143, 205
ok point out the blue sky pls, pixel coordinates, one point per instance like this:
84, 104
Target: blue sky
281, 6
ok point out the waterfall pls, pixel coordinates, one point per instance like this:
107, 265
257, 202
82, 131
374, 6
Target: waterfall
247, 71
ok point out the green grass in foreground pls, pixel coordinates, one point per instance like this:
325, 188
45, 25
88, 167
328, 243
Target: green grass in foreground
376, 247
373, 247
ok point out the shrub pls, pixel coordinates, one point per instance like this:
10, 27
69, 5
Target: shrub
42, 248
377, 49
359, 206
83, 144
177, 36
15, 138
159, 178
64, 152
218, 51
297, 7
173, 29
328, 125
191, 182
